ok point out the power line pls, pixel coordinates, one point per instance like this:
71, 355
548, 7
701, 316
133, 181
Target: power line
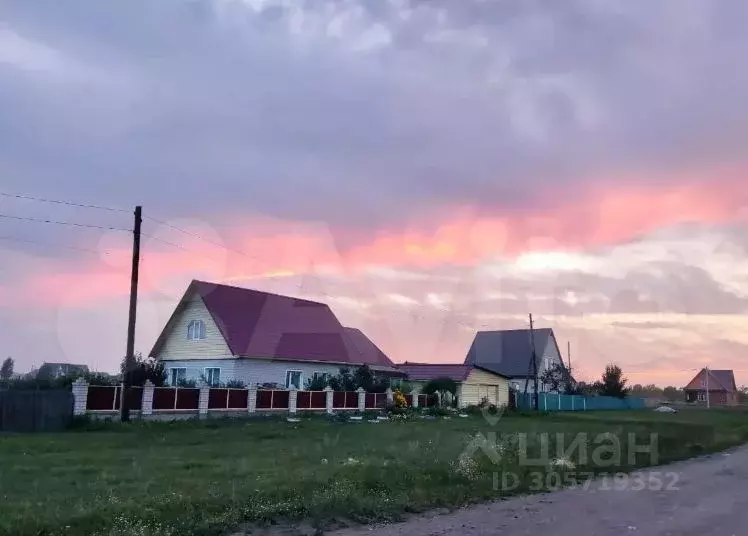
51, 246
197, 236
73, 224
59, 202
166, 242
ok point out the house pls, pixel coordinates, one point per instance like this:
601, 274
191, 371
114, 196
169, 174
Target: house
509, 353
721, 386
52, 371
223, 333
473, 383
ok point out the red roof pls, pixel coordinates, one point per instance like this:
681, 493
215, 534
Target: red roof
719, 380
262, 325
428, 371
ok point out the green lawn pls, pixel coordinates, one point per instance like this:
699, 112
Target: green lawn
213, 476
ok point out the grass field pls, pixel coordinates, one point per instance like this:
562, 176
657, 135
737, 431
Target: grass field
210, 477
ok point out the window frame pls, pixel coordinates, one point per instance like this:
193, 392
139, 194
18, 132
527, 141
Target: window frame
210, 381
196, 330
301, 378
174, 381
317, 373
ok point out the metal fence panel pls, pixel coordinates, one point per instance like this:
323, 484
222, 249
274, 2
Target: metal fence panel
555, 402
35, 411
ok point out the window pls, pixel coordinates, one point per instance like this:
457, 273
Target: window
213, 376
176, 375
396, 383
196, 330
320, 376
293, 379
701, 396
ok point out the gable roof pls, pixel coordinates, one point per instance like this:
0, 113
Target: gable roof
431, 371
258, 324
720, 380
364, 349
508, 352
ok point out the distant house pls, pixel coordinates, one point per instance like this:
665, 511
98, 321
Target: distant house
721, 386
509, 353
52, 371
473, 383
220, 333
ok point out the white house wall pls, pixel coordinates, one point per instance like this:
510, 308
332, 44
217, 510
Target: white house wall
177, 347
546, 360
252, 371
195, 368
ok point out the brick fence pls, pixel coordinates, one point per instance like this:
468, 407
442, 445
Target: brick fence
150, 402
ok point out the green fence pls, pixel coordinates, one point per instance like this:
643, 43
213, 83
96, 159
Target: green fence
554, 402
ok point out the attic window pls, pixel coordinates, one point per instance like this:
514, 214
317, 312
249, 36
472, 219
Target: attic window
196, 330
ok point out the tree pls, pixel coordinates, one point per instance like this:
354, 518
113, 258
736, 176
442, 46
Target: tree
557, 378
673, 394
316, 383
6, 371
145, 369
363, 376
445, 387
613, 382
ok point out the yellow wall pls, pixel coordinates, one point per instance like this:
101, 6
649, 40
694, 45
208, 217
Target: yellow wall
177, 346
481, 384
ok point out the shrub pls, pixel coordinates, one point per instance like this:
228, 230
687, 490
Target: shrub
316, 383
235, 384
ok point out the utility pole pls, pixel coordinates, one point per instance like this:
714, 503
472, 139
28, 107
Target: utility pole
534, 364
706, 369
130, 352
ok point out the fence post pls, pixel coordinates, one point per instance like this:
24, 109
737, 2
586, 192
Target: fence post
80, 396
559, 401
252, 398
202, 404
361, 399
572, 402
414, 394
146, 404
545, 402
390, 396
292, 397
584, 403
328, 399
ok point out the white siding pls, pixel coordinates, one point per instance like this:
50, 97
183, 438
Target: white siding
252, 371
550, 358
480, 384
178, 347
196, 368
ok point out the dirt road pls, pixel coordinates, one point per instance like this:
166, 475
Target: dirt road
704, 497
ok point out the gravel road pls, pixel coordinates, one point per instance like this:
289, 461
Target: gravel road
703, 497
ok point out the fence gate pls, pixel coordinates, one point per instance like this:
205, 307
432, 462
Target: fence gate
35, 411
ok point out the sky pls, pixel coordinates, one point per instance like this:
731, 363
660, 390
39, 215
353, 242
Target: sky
429, 168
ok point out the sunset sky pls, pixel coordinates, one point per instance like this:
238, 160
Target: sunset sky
428, 168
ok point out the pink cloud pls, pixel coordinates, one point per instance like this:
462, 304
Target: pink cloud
600, 217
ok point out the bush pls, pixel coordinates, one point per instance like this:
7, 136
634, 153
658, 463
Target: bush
235, 384
316, 383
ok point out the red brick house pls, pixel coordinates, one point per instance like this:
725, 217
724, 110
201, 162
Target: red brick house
721, 385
